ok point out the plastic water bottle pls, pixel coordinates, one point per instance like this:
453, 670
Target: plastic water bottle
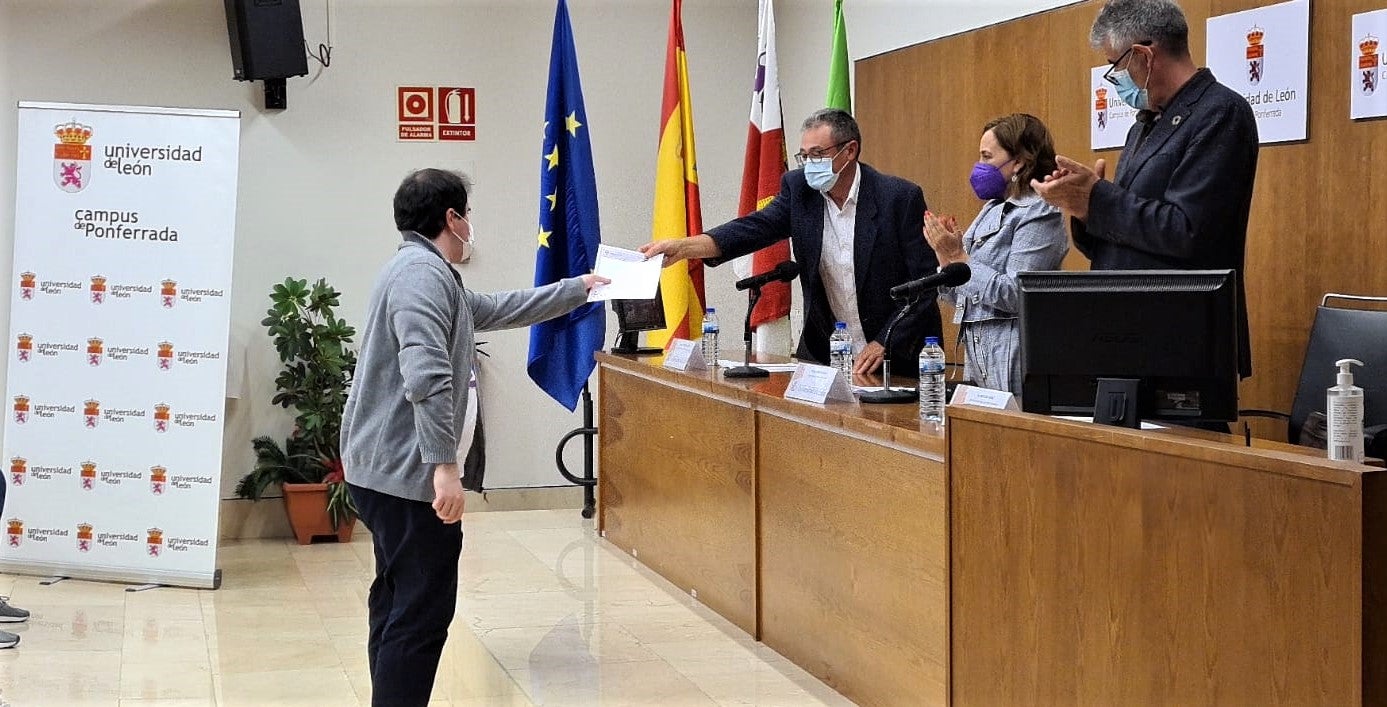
932, 382
710, 336
840, 349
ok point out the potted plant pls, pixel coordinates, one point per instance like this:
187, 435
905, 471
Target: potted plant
317, 373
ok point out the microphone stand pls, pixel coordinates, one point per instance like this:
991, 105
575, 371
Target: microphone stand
887, 394
746, 370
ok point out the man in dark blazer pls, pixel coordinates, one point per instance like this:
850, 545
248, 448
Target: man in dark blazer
1184, 181
855, 233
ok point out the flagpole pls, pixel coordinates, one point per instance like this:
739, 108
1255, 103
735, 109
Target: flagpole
587, 480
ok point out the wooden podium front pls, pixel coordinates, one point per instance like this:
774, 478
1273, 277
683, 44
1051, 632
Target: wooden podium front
1103, 566
1048, 562
818, 529
680, 497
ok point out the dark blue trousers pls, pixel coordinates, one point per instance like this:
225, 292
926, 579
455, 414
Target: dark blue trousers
413, 597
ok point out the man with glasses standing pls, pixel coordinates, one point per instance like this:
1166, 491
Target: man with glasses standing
1183, 188
855, 233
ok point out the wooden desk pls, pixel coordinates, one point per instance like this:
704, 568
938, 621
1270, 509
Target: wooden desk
1049, 562
836, 513
680, 493
853, 541
1104, 566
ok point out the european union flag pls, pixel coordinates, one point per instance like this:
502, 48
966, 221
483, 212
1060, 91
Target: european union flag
561, 349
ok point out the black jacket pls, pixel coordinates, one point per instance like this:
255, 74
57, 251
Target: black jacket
1181, 195
889, 249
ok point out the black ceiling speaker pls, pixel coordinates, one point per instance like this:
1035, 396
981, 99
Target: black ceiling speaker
266, 44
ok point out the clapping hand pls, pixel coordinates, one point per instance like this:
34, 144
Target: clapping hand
943, 236
1070, 185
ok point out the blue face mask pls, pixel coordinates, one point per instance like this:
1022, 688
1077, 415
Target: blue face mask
1129, 92
819, 173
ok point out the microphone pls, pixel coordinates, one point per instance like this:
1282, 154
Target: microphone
953, 275
783, 272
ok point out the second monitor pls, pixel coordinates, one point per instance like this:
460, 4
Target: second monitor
1168, 335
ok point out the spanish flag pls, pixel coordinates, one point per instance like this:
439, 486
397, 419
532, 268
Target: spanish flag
677, 212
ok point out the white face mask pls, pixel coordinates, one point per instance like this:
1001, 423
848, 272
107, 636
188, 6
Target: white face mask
819, 173
469, 246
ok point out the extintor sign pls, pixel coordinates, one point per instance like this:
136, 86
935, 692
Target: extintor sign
436, 113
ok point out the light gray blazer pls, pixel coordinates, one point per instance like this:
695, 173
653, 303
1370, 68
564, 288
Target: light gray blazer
1008, 236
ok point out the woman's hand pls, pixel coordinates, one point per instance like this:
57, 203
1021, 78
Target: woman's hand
946, 240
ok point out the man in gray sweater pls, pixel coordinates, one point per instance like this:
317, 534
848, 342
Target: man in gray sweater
399, 428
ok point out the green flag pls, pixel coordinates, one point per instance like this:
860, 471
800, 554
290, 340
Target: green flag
839, 86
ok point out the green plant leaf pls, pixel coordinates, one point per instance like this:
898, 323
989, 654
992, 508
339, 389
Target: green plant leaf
340, 507
317, 373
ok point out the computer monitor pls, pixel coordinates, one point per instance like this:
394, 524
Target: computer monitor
635, 316
1169, 337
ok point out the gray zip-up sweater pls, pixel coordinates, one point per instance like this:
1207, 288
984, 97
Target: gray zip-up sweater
410, 391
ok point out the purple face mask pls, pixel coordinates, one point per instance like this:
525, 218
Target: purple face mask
988, 181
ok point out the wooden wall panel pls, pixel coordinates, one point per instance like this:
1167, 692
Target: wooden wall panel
1317, 216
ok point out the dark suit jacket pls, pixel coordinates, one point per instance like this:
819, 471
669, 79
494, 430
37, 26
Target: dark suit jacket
889, 249
1181, 196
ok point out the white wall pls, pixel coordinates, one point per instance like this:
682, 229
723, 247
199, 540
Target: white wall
878, 26
316, 180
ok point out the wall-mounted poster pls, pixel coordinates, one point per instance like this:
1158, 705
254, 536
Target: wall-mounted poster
1264, 54
1367, 66
1109, 117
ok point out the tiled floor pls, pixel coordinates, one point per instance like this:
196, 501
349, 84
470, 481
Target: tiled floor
547, 615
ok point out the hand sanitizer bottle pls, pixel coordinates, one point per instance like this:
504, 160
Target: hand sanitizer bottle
1344, 408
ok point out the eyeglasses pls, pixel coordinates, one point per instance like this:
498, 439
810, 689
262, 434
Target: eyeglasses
1108, 75
819, 153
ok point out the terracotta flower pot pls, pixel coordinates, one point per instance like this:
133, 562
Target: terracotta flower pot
306, 505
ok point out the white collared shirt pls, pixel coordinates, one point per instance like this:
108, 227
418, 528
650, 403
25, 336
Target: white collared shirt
836, 265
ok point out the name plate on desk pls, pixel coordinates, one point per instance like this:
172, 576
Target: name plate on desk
685, 355
984, 398
817, 384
